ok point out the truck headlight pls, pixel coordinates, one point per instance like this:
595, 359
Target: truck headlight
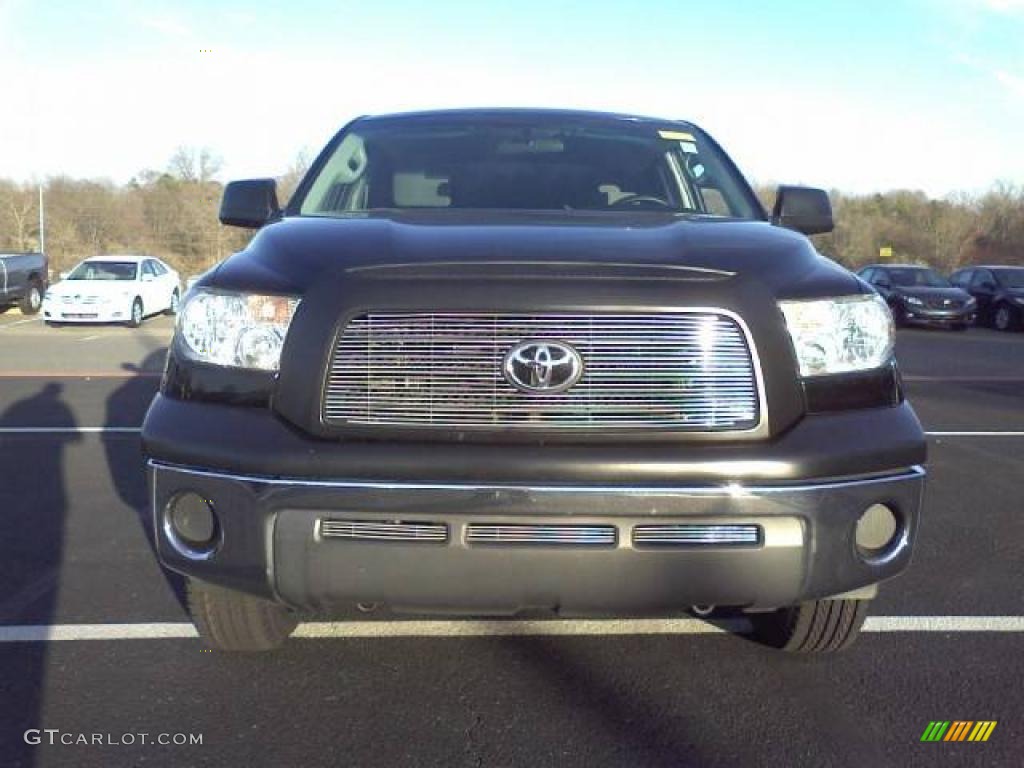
238, 330
914, 301
971, 303
840, 335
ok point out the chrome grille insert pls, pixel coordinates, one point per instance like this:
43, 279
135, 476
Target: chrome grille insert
379, 530
696, 535
546, 535
686, 370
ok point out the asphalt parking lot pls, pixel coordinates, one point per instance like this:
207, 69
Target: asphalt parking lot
946, 641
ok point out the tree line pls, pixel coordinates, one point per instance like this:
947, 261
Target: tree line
172, 213
945, 233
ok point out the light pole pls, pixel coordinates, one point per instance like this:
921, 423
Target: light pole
42, 223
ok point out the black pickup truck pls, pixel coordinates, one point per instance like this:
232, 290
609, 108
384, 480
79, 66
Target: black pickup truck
504, 360
23, 280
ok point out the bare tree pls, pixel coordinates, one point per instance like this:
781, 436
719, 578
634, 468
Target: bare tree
195, 165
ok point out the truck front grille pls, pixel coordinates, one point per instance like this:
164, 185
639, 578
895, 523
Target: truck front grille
939, 303
686, 370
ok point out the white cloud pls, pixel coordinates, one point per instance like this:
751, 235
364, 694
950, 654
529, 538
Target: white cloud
167, 25
1004, 6
114, 114
127, 115
1001, 7
1013, 83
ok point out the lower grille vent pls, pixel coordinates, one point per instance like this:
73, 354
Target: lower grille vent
696, 535
543, 535
378, 530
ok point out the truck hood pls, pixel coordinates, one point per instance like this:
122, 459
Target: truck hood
297, 252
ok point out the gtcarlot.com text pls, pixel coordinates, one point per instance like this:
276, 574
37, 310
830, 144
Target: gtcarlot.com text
55, 736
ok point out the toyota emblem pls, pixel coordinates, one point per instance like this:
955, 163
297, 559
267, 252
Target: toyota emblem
542, 366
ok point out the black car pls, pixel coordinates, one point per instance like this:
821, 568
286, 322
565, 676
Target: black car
23, 280
493, 361
999, 292
921, 296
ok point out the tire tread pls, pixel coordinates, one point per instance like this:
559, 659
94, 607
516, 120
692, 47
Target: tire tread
816, 626
233, 621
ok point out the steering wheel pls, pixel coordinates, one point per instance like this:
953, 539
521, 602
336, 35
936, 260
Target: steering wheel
640, 201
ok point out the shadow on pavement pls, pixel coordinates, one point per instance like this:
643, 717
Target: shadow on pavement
34, 505
125, 462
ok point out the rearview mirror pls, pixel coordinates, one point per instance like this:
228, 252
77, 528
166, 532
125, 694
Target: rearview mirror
804, 209
250, 203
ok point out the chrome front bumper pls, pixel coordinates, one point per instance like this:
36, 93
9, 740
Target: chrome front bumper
501, 548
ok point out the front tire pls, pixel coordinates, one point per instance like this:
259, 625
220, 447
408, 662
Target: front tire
137, 314
175, 303
233, 621
817, 626
899, 316
32, 301
1006, 318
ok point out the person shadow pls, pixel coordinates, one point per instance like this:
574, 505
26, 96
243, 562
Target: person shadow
127, 406
34, 504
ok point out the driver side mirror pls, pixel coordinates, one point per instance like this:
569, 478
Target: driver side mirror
883, 282
250, 203
147, 278
804, 209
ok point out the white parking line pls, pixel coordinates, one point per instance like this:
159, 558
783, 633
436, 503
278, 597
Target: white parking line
962, 379
67, 430
501, 628
992, 433
944, 624
20, 322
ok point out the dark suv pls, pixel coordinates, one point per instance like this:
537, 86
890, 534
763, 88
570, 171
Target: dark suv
999, 293
492, 361
921, 296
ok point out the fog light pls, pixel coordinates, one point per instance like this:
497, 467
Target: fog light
191, 524
876, 529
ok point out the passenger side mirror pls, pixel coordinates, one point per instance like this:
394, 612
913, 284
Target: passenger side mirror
988, 286
250, 203
64, 275
803, 209
883, 282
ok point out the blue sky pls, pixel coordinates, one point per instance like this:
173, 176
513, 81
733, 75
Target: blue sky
863, 96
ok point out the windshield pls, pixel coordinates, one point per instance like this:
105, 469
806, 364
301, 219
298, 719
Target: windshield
1011, 278
918, 278
104, 270
534, 165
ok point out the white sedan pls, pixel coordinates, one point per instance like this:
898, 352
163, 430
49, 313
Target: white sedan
113, 289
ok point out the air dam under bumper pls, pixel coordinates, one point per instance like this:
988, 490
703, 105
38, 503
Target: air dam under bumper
585, 549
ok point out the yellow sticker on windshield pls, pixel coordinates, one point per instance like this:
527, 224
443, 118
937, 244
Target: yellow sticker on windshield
676, 136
